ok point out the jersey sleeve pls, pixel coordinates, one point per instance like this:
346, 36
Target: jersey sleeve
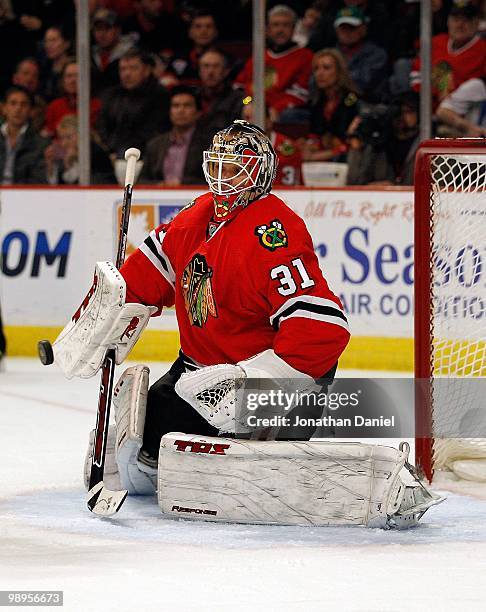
465, 96
149, 273
312, 329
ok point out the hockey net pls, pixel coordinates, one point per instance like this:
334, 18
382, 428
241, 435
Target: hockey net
450, 306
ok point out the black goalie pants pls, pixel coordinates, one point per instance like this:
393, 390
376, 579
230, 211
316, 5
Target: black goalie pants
167, 412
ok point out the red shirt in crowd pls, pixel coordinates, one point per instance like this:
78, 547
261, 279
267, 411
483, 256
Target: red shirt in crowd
289, 159
451, 67
287, 77
60, 107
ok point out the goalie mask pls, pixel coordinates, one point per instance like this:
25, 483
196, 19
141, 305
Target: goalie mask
239, 167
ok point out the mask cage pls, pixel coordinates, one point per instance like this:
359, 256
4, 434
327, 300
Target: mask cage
227, 173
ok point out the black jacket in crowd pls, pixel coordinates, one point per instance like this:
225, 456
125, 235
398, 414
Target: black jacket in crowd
337, 125
29, 165
153, 166
131, 117
222, 110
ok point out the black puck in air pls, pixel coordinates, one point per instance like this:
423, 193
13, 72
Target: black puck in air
46, 355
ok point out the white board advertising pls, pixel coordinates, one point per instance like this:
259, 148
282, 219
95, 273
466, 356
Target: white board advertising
50, 239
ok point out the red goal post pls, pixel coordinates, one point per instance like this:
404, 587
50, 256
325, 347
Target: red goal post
450, 216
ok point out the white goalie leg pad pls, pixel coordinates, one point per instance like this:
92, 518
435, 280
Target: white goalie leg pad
213, 391
103, 321
111, 476
130, 401
469, 469
291, 483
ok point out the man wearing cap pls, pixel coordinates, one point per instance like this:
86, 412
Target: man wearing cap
109, 47
366, 61
457, 56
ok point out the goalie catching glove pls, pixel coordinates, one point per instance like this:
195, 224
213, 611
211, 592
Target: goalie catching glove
213, 391
102, 322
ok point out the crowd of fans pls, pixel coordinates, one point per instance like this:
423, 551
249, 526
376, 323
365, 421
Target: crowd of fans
341, 76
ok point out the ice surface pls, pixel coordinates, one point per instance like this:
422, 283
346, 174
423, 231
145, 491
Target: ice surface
139, 560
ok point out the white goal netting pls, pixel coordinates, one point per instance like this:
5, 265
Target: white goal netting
458, 303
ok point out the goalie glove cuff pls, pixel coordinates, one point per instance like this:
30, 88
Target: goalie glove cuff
268, 364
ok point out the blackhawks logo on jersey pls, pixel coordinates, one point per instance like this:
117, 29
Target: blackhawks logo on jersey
197, 291
272, 236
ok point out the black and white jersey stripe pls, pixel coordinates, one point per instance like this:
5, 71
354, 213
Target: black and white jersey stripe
152, 249
310, 307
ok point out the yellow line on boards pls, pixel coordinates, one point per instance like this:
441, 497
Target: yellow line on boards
363, 352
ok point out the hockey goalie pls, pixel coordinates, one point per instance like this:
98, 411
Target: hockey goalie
252, 305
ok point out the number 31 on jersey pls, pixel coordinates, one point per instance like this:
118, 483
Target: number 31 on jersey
285, 275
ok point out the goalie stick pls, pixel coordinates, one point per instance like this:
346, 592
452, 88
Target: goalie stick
101, 500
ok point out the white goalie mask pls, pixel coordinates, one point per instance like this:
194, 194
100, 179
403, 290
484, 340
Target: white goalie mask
239, 167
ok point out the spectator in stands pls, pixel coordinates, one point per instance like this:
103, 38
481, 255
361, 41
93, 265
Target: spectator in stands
61, 157
221, 104
405, 33
67, 103
324, 35
56, 47
132, 112
457, 56
287, 66
174, 158
464, 110
156, 30
38, 16
383, 142
22, 25
377, 18
21, 148
162, 71
308, 24
16, 39
203, 35
333, 110
405, 27
289, 168
125, 9
27, 74
366, 61
109, 47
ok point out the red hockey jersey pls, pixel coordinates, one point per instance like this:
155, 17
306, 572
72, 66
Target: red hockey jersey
254, 285
289, 160
451, 67
287, 77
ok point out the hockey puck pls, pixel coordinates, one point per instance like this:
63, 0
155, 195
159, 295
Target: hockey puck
46, 355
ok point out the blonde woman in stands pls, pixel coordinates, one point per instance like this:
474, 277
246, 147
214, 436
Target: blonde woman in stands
334, 107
